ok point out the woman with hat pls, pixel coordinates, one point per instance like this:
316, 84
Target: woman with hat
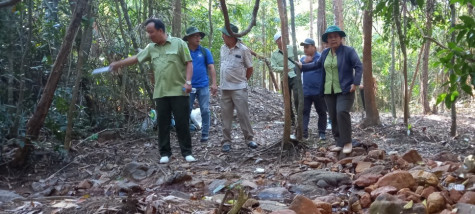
342, 71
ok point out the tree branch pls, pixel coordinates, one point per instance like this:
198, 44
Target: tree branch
8, 3
435, 41
226, 19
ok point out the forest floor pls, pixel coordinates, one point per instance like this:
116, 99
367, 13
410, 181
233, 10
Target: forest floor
119, 172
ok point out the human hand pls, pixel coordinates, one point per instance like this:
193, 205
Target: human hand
361, 87
114, 67
353, 88
299, 64
214, 89
187, 88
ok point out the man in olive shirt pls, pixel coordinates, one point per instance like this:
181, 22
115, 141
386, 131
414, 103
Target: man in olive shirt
173, 70
236, 69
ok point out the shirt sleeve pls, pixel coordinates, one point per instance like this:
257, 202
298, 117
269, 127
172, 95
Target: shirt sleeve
184, 51
209, 57
144, 55
357, 65
247, 58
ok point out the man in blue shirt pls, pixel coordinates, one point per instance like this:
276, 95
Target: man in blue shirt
202, 64
312, 81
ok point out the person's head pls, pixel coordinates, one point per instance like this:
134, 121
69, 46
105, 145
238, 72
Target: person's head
193, 36
278, 40
155, 30
333, 36
227, 38
309, 46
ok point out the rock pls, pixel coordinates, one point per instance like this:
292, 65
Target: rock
365, 200
308, 190
412, 156
441, 169
469, 164
357, 151
216, 185
331, 198
403, 164
128, 187
249, 184
136, 171
320, 178
361, 166
178, 178
455, 195
376, 154
422, 177
407, 195
180, 194
367, 179
389, 204
346, 160
398, 179
375, 170
445, 156
313, 164
274, 194
427, 191
468, 198
435, 202
7, 196
465, 208
323, 207
271, 206
85, 184
286, 211
108, 135
381, 190
303, 205
251, 203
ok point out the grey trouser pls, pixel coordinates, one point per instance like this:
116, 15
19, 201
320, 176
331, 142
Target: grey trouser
230, 100
339, 106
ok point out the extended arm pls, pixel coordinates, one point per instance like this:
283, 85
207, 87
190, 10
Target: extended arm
114, 66
212, 73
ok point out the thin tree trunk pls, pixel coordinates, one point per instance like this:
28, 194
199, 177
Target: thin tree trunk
453, 111
125, 75
285, 76
404, 54
263, 33
321, 23
176, 23
416, 72
150, 8
372, 114
36, 121
393, 73
299, 95
210, 22
425, 59
338, 12
311, 19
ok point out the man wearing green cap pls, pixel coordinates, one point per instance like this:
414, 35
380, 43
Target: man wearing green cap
202, 65
235, 70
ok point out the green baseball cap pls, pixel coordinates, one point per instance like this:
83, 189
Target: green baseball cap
333, 29
192, 30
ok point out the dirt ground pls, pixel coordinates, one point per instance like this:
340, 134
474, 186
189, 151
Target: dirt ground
51, 179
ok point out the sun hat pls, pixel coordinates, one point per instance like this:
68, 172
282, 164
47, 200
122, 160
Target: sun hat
234, 29
192, 30
333, 29
308, 41
277, 36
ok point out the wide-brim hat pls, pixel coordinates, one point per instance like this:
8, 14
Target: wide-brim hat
192, 30
332, 29
234, 29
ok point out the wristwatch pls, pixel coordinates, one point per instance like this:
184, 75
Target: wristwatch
188, 82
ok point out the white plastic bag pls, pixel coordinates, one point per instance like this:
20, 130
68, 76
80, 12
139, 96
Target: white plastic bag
196, 118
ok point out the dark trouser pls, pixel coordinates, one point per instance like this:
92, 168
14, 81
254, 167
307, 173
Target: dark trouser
293, 88
179, 106
362, 98
339, 106
319, 102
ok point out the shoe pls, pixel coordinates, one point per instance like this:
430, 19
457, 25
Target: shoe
226, 148
204, 139
164, 159
322, 136
347, 148
252, 145
335, 149
190, 158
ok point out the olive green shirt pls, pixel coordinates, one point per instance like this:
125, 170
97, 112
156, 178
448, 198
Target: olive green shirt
169, 66
332, 79
277, 61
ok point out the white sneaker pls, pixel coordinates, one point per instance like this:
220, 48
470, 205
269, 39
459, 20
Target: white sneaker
164, 159
190, 158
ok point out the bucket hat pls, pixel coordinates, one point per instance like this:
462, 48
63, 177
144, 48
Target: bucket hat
233, 28
192, 30
332, 29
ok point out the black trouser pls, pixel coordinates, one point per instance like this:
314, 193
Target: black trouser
339, 106
179, 106
320, 106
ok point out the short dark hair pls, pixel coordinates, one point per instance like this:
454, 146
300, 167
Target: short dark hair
158, 23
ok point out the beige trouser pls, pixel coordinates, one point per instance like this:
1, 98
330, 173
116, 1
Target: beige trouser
231, 99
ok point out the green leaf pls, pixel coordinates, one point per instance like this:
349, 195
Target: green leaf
379, 7
467, 89
409, 205
441, 98
454, 96
467, 20
460, 35
420, 3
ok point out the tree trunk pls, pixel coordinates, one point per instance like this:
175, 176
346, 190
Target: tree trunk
264, 42
338, 12
36, 121
321, 23
176, 23
372, 114
210, 21
453, 111
299, 95
415, 73
285, 76
404, 54
393, 73
150, 8
125, 78
425, 59
311, 19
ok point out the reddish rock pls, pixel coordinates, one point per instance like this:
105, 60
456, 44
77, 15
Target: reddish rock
85, 184
407, 195
386, 189
361, 166
323, 207
366, 180
446, 156
427, 191
370, 188
441, 169
468, 198
303, 205
376, 154
446, 195
398, 179
435, 202
286, 211
412, 156
365, 200
450, 179
403, 164
455, 195
419, 190
332, 198
323, 159
345, 160
312, 164
422, 177
357, 151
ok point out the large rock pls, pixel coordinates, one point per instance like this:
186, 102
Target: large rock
398, 179
7, 196
271, 206
388, 204
320, 178
412, 156
274, 194
323, 207
446, 156
310, 191
136, 171
468, 198
375, 170
383, 190
465, 208
422, 177
367, 179
303, 205
435, 202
